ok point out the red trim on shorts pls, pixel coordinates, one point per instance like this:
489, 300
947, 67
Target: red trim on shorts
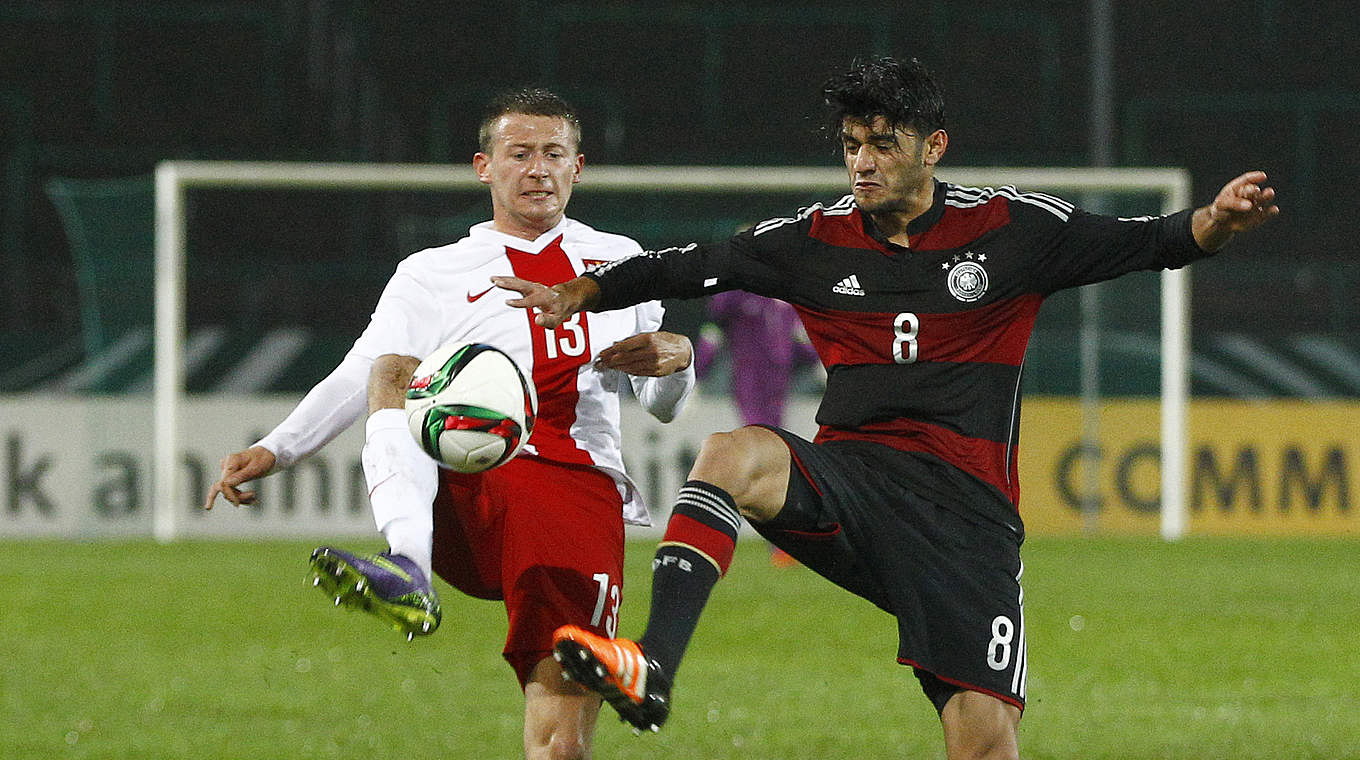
799, 462
966, 686
807, 477
813, 533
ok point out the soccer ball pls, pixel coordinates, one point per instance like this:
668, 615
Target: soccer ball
469, 407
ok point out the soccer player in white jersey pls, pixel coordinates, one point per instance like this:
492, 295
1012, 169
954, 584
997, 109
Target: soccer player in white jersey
543, 532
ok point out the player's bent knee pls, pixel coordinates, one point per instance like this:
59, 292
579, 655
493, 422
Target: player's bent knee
751, 464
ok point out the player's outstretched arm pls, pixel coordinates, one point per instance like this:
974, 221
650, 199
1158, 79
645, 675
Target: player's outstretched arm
238, 468
1243, 204
554, 305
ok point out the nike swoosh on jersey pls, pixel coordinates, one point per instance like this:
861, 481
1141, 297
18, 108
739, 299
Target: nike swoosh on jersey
472, 298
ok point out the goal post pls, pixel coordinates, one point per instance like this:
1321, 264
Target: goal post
174, 178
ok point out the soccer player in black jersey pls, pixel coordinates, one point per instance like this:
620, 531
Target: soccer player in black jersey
919, 297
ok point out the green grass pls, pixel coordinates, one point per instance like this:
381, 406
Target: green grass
1140, 649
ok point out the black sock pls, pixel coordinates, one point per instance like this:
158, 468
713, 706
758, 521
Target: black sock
696, 551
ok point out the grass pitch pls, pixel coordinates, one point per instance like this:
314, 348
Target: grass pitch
1207, 648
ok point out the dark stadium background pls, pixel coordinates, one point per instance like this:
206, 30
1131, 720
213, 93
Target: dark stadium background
107, 88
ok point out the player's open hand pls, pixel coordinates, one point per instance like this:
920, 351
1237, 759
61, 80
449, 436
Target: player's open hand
238, 468
1244, 203
653, 354
552, 305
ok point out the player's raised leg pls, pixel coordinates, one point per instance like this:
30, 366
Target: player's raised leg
394, 585
741, 473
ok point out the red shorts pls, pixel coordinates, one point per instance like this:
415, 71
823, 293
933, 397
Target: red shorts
545, 537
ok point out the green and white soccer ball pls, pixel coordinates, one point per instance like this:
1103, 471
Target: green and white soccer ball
470, 407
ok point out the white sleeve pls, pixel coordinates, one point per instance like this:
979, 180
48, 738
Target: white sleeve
662, 397
327, 410
406, 322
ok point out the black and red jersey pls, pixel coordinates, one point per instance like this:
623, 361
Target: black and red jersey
923, 345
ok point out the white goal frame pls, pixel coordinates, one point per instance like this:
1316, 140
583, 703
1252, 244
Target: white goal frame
174, 178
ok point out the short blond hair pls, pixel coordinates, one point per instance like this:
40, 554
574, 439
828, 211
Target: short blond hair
531, 101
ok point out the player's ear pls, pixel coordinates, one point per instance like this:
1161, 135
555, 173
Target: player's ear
481, 163
936, 144
580, 164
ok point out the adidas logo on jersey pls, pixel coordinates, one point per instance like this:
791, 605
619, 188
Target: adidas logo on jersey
849, 287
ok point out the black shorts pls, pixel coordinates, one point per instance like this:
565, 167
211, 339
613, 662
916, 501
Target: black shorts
953, 584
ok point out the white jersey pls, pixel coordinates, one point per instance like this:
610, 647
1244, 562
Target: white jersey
444, 294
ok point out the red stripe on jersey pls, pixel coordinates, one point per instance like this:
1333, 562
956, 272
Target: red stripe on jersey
959, 227
843, 230
558, 357
983, 459
997, 333
956, 228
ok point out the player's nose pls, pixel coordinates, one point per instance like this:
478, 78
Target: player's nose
863, 160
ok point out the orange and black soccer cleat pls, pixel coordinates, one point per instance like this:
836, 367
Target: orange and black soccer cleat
618, 670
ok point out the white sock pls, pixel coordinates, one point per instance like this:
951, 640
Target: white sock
402, 482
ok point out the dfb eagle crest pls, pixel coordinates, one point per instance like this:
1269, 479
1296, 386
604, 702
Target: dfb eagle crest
967, 278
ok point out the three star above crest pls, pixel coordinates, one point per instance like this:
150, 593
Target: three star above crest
967, 254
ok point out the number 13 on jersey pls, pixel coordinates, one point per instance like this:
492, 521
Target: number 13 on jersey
569, 339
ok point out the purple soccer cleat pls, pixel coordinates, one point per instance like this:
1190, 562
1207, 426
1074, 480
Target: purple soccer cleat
388, 586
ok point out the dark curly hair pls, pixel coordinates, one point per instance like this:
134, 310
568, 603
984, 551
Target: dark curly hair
531, 101
904, 94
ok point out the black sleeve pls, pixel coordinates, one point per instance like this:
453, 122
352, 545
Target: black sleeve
755, 261
1087, 248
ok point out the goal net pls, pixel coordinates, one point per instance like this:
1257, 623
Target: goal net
424, 205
